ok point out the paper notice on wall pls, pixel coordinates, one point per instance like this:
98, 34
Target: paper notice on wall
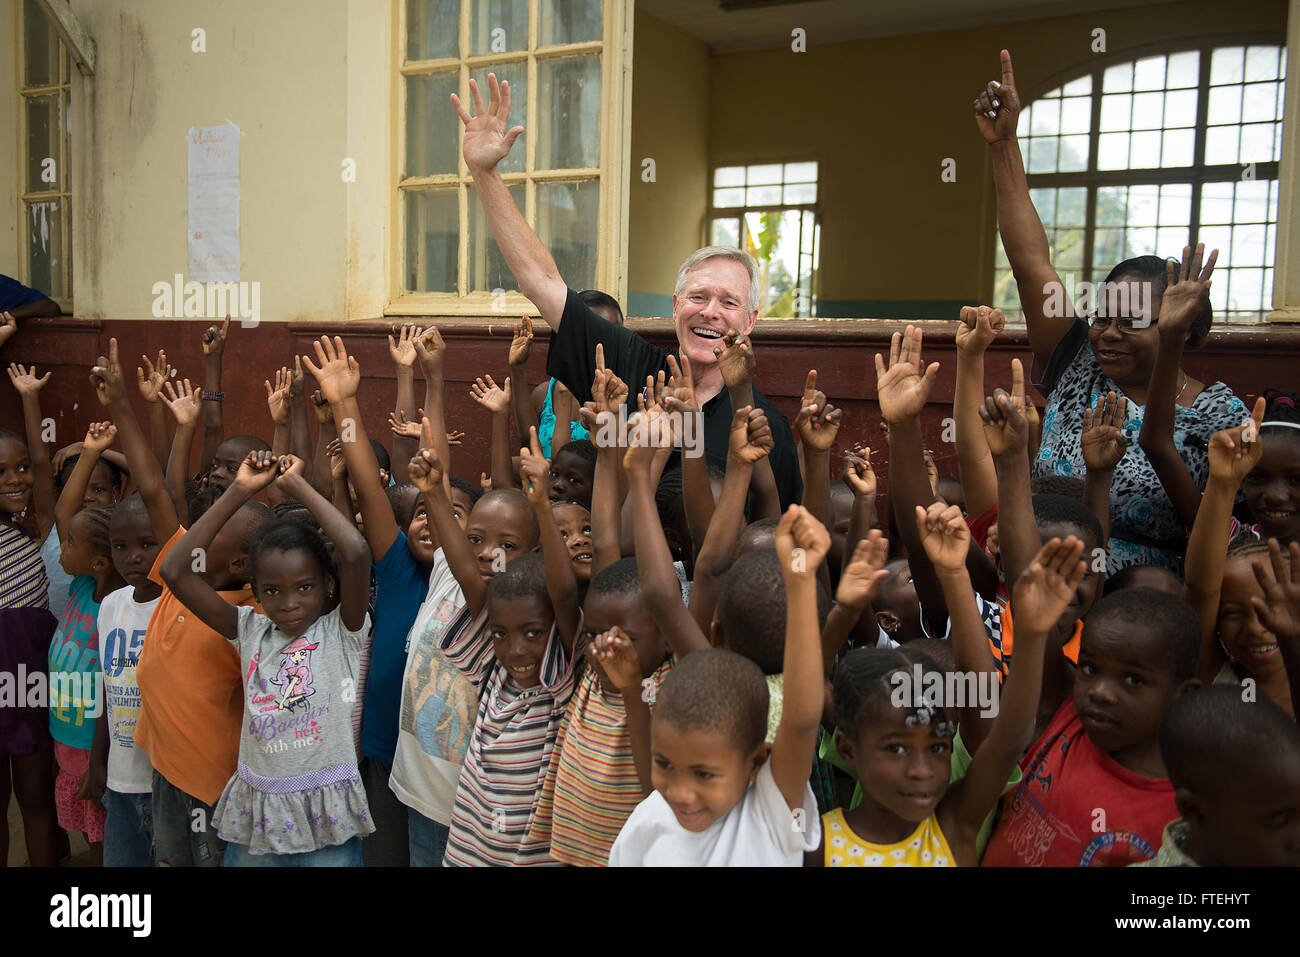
214, 203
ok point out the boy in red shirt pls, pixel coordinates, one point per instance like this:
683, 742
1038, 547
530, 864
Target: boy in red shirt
1095, 791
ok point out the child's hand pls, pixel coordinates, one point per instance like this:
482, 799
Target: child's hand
1046, 588
402, 349
903, 389
801, 543
614, 653
338, 374
24, 379
184, 401
257, 471
521, 346
859, 476
430, 350
151, 382
99, 436
651, 399
324, 413
680, 396
615, 391
1005, 427
8, 327
454, 437
297, 380
997, 108
484, 482
978, 327
864, 572
401, 425
291, 469
1279, 609
751, 435
426, 472
641, 444
1103, 439
818, 421
92, 785
277, 399
1234, 452
736, 359
338, 464
945, 536
1186, 294
107, 378
490, 395
214, 340
535, 471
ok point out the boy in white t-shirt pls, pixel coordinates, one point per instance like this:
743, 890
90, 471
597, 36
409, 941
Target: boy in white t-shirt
121, 774
722, 796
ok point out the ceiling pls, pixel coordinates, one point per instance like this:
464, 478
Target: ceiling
768, 26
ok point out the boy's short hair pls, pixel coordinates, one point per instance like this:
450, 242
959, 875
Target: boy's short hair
594, 298
469, 488
250, 518
132, 506
251, 443
751, 609
295, 511
202, 499
519, 500
583, 448
716, 691
1068, 485
382, 457
1159, 614
1130, 575
1210, 735
525, 577
402, 499
619, 578
936, 651
1051, 509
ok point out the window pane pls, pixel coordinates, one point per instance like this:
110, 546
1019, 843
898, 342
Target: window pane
763, 175
1221, 144
1183, 69
45, 265
1257, 142
42, 139
1046, 120
1178, 147
1076, 114
1225, 105
1220, 238
1115, 111
498, 25
432, 29
40, 48
1112, 151
1107, 248
801, 193
1117, 79
729, 176
1180, 108
1260, 102
1149, 74
1140, 241
429, 148
763, 196
1044, 201
1143, 202
1247, 246
568, 21
1070, 206
1170, 241
1176, 204
1144, 150
801, 172
431, 239
1112, 202
1148, 110
729, 197
725, 232
1216, 203
487, 266
1246, 291
516, 75
1261, 63
1226, 65
1251, 202
1080, 87
568, 112
1073, 156
567, 217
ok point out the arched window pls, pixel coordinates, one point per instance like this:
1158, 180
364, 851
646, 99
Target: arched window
1133, 158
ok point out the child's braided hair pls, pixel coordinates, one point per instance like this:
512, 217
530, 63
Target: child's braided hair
95, 523
872, 679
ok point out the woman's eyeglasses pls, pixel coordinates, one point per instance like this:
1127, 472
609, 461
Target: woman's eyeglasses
1126, 324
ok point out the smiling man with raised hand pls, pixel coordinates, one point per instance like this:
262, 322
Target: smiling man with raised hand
716, 291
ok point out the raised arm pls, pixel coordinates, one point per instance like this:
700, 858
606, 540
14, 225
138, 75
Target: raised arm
255, 473
1279, 609
277, 400
488, 138
697, 493
1103, 445
606, 494
111, 389
214, 344
1186, 296
521, 347
613, 651
350, 551
1007, 432
997, 110
902, 390
496, 400
1232, 454
863, 572
186, 406
29, 387
430, 352
402, 350
561, 584
735, 355
325, 434
801, 545
975, 333
427, 474
99, 436
339, 378
150, 379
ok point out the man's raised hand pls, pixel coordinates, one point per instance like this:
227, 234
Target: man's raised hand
997, 108
487, 137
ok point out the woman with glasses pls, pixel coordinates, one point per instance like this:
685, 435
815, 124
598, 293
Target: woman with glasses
1114, 348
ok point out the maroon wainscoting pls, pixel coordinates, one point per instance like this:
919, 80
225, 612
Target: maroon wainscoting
841, 350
